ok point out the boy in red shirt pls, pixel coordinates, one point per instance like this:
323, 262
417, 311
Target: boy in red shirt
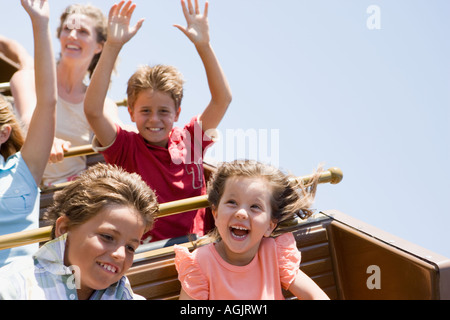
168, 159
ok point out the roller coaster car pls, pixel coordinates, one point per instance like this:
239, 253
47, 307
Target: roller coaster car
347, 258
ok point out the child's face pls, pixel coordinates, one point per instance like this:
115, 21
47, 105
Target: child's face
243, 218
154, 113
103, 247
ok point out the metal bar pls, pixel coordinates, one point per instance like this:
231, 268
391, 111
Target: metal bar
332, 175
25, 237
43, 234
122, 103
4, 86
183, 205
79, 151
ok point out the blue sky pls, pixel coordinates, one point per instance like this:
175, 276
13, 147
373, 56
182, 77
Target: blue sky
374, 102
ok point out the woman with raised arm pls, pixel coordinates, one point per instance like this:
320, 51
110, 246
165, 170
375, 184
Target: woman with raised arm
82, 33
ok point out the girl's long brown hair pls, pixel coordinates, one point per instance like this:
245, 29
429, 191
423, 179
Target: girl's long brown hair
16, 139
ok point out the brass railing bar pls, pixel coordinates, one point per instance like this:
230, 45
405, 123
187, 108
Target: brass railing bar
25, 237
4, 86
122, 103
333, 175
79, 151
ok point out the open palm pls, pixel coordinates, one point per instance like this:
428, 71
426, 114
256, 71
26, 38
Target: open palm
119, 30
197, 29
36, 8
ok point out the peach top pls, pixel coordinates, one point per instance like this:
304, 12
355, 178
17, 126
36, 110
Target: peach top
204, 275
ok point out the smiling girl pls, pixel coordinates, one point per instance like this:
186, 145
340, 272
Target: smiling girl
98, 222
249, 200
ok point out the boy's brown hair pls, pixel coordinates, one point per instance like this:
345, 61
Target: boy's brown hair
161, 78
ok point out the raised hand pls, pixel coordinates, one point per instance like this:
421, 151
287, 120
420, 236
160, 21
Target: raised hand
41, 131
119, 30
36, 9
197, 29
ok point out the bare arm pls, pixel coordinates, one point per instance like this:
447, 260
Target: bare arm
197, 31
38, 143
119, 33
23, 90
303, 287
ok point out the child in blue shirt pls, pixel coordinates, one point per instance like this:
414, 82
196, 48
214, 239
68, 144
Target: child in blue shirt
22, 161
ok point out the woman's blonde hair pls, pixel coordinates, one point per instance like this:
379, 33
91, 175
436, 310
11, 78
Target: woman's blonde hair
16, 138
161, 78
98, 187
289, 196
100, 26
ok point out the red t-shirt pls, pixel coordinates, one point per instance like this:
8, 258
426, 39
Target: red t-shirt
173, 173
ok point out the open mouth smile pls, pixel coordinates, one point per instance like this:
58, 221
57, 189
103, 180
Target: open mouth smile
108, 267
73, 47
239, 232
